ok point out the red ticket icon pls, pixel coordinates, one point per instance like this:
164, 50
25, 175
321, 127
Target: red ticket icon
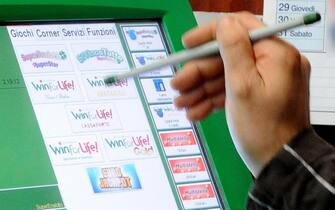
196, 191
177, 138
187, 165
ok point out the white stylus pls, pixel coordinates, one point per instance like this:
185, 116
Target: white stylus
212, 47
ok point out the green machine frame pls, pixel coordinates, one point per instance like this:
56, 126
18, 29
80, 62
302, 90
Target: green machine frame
177, 17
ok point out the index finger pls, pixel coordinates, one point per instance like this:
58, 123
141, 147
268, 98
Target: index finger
200, 35
195, 72
206, 33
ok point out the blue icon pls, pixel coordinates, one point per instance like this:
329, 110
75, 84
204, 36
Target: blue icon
159, 85
159, 112
132, 34
141, 59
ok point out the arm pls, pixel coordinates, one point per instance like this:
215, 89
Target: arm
264, 89
300, 176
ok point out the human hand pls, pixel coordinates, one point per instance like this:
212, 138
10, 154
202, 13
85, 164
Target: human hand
264, 87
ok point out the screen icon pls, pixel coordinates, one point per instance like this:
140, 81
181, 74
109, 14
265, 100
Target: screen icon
141, 60
159, 112
188, 169
114, 178
132, 34
159, 85
198, 195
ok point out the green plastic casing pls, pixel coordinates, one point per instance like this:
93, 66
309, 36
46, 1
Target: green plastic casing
177, 17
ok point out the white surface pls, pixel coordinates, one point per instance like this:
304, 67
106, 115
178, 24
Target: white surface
76, 127
206, 17
318, 46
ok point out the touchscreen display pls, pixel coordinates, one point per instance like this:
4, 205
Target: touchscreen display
119, 147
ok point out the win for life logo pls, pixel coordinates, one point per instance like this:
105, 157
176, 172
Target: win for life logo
68, 150
97, 89
99, 82
53, 85
55, 88
102, 54
50, 58
130, 146
103, 114
93, 117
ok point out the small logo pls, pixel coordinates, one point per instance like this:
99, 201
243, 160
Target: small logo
99, 82
114, 178
53, 57
149, 58
101, 55
90, 115
159, 112
53, 85
136, 144
143, 33
187, 165
141, 60
61, 55
196, 191
71, 148
93, 117
68, 150
159, 85
178, 138
132, 34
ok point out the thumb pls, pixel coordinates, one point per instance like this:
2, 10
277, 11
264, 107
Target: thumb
236, 51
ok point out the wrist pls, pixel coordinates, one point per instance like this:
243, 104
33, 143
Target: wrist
285, 135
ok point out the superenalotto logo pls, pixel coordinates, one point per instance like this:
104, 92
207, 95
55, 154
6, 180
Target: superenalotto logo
133, 33
100, 54
51, 56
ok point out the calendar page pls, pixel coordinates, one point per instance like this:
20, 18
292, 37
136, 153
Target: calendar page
317, 43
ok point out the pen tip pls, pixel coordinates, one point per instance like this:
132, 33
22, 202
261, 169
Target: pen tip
312, 18
110, 80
